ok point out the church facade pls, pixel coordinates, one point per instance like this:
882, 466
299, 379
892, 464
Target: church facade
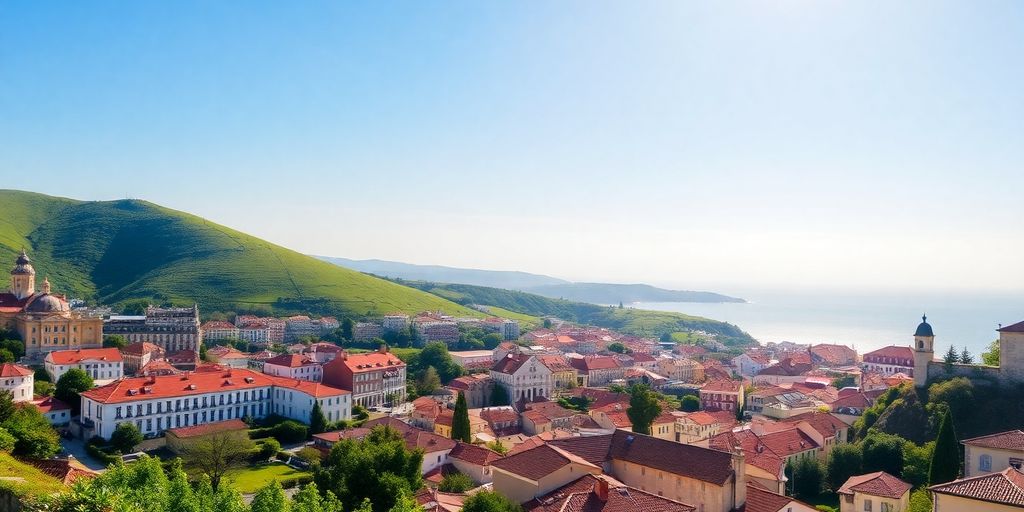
1011, 358
44, 320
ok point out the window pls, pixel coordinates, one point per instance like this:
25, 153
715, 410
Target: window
886, 507
985, 463
867, 505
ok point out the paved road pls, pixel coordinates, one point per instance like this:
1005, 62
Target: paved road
76, 447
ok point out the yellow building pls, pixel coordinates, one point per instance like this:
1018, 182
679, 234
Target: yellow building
992, 492
44, 320
993, 453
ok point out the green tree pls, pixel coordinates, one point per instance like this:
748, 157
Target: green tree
429, 382
181, 496
844, 461
126, 435
378, 467
991, 356
950, 359
489, 501
690, 403
268, 448
966, 357
17, 347
945, 463
460, 420
456, 482
70, 385
310, 454
114, 341
35, 437
406, 503
499, 396
309, 499
882, 452
7, 406
807, 478
546, 323
957, 394
346, 329
270, 498
916, 461
44, 388
215, 454
7, 441
317, 420
496, 446
920, 501
845, 381
617, 347
6, 356
436, 354
643, 408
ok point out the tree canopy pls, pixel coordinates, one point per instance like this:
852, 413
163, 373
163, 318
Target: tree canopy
489, 501
69, 385
460, 420
945, 463
643, 408
378, 467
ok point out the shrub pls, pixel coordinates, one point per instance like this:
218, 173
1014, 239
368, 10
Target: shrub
456, 482
6, 441
267, 448
296, 481
125, 437
309, 454
289, 432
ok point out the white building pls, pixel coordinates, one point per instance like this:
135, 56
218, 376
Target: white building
467, 358
219, 330
294, 366
156, 404
18, 380
523, 377
102, 364
395, 322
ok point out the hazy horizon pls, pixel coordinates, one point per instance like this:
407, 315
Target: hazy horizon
869, 147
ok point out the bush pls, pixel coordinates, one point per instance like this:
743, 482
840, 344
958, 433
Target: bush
296, 481
310, 455
125, 437
6, 441
267, 448
290, 432
456, 482
99, 454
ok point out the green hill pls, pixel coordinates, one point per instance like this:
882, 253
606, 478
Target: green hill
111, 252
632, 321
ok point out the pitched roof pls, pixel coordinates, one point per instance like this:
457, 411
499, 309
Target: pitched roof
878, 483
1005, 487
761, 500
593, 449
166, 386
539, 462
590, 363
583, 495
209, 428
690, 461
722, 386
370, 361
66, 470
757, 453
48, 403
824, 423
1017, 327
892, 351
291, 361
473, 454
217, 324
510, 363
14, 370
140, 347
84, 354
1009, 440
788, 367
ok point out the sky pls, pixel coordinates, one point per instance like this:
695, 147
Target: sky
716, 145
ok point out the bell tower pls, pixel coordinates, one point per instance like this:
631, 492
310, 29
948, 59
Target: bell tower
23, 277
924, 351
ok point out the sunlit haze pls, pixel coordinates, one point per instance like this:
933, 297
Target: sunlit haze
712, 145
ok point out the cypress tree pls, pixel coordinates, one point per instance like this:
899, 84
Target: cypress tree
945, 463
460, 420
317, 420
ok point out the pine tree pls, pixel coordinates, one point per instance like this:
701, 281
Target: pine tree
460, 421
966, 357
317, 420
945, 464
643, 408
950, 359
499, 396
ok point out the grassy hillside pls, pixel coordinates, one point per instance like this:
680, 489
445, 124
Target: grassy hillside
114, 251
633, 321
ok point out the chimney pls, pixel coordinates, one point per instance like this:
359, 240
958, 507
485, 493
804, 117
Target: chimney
740, 470
757, 427
601, 489
383, 348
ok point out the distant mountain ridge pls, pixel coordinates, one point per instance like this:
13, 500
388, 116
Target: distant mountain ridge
546, 286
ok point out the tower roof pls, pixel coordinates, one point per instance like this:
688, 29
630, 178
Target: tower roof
924, 329
23, 265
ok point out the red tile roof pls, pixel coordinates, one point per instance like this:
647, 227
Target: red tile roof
141, 347
892, 351
590, 363
538, 462
761, 500
1010, 440
13, 370
290, 360
1006, 487
209, 428
722, 386
49, 404
704, 464
66, 470
368, 362
824, 423
166, 386
84, 354
217, 324
473, 454
602, 494
788, 367
876, 484
510, 363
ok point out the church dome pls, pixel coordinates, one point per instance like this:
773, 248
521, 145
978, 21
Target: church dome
46, 303
23, 265
924, 329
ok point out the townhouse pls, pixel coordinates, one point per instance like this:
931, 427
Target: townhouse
18, 380
722, 395
993, 453
890, 361
596, 371
293, 366
102, 364
374, 378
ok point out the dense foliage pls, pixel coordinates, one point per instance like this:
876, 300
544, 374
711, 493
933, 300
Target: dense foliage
644, 407
379, 468
945, 463
460, 420
70, 385
489, 501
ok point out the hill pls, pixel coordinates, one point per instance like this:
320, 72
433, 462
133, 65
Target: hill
111, 252
628, 320
511, 280
547, 286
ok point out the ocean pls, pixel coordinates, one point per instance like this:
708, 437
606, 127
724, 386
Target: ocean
864, 321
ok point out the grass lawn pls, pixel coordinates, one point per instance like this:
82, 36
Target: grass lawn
24, 479
249, 479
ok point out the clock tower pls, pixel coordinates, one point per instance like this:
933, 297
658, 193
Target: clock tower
924, 351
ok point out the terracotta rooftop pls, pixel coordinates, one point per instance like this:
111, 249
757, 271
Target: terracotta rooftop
368, 362
590, 363
539, 462
824, 423
592, 493
473, 454
209, 428
704, 464
722, 386
1006, 487
510, 363
197, 383
892, 351
140, 347
111, 355
788, 367
1017, 327
48, 404
66, 470
1010, 440
291, 361
876, 484
762, 500
14, 370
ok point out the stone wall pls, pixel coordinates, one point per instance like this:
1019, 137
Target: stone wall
974, 372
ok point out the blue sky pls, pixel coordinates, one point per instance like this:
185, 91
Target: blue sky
692, 144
